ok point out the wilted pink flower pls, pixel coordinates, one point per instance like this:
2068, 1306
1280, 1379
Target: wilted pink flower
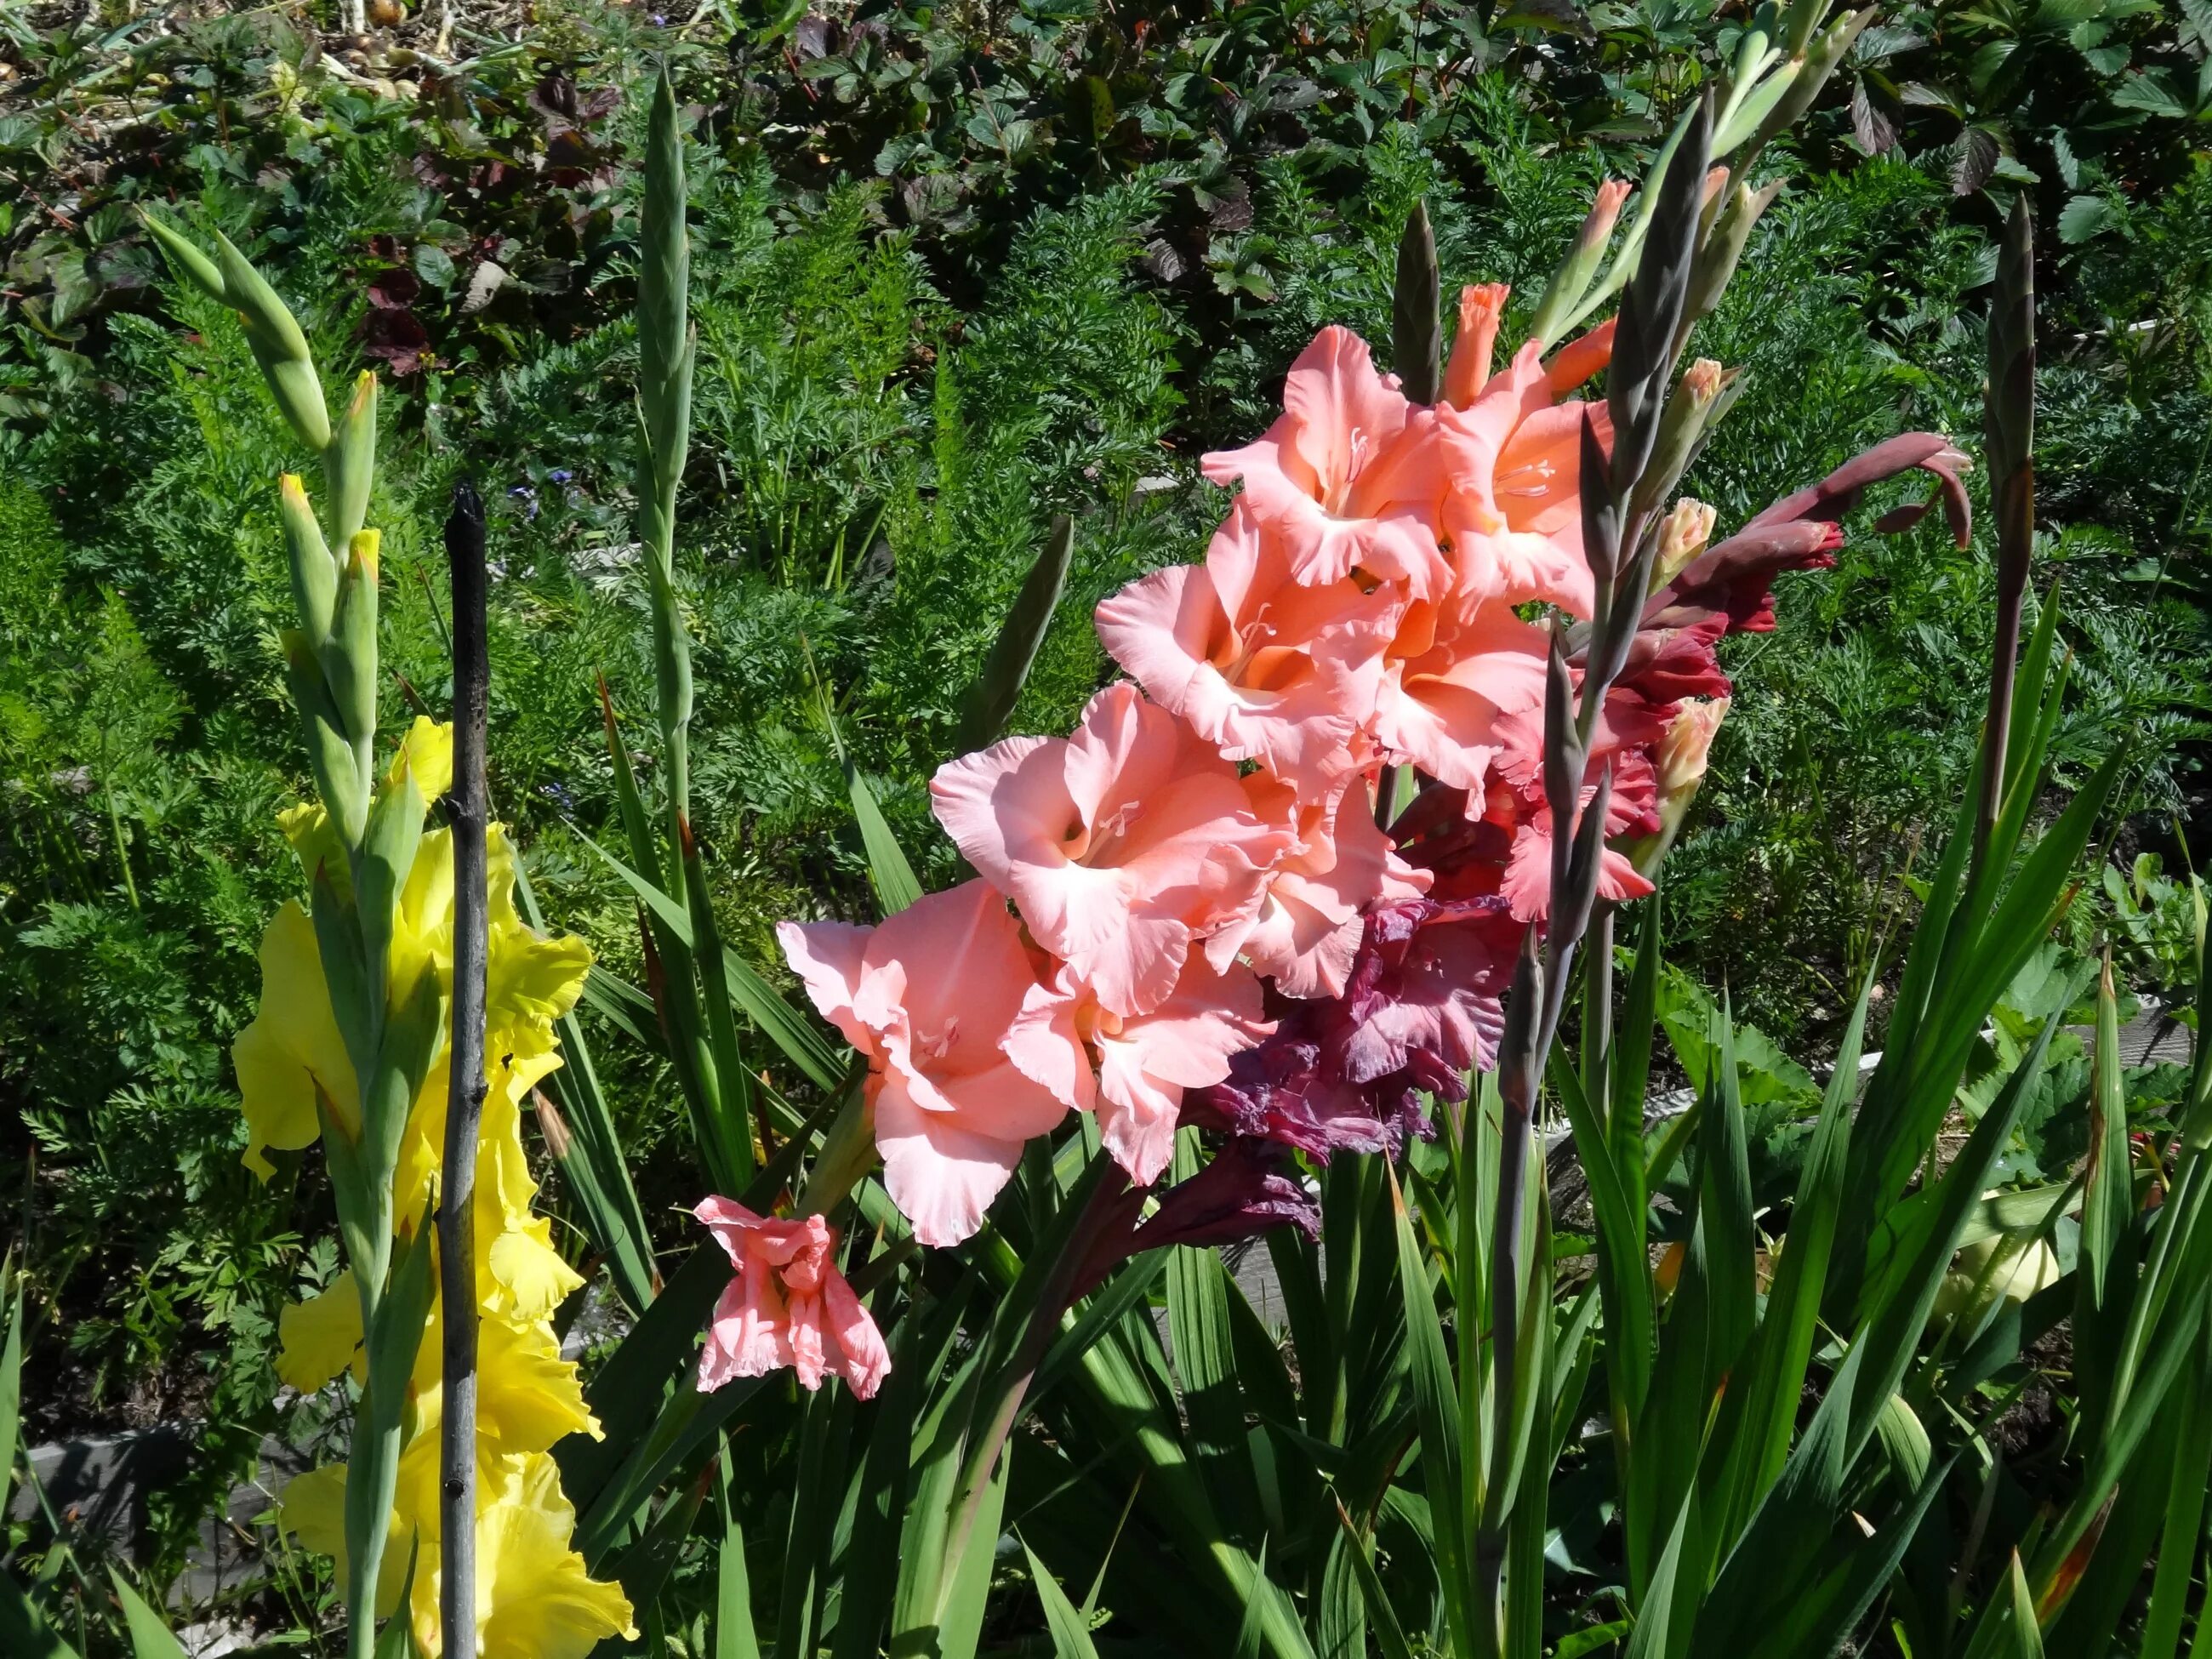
788, 1305
1119, 845
1420, 1005
1348, 477
927, 997
1307, 929
1261, 665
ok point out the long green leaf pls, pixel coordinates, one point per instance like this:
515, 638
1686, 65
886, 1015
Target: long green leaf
1436, 1409
1070, 1636
990, 700
11, 1386
1827, 1616
783, 1024
1793, 1300
627, 1394
1624, 1257
593, 1159
729, 1147
24, 1630
897, 885
734, 1636
1650, 1639
149, 1636
1390, 1634
2106, 1277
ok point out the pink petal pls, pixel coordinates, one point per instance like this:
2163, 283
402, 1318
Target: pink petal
1481, 307
749, 1335
808, 1354
826, 956
1006, 804
1446, 709
1186, 1043
941, 1175
856, 1349
1120, 845
1044, 1044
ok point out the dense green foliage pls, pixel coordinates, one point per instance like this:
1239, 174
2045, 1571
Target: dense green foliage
954, 273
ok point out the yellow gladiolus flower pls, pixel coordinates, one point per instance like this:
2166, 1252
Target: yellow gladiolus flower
292, 1048
534, 1600
534, 1597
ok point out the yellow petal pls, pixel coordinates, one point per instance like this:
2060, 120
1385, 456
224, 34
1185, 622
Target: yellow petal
528, 1397
321, 1337
534, 1598
312, 1510
427, 751
292, 1046
529, 1277
315, 843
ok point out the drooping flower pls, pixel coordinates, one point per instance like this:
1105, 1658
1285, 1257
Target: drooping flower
1121, 845
926, 997
1348, 477
1259, 665
787, 1306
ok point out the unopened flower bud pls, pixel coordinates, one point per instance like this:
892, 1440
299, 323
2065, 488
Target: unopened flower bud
1481, 307
1696, 402
1683, 752
1683, 534
1716, 181
1573, 278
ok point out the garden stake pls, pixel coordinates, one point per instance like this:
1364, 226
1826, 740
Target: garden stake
467, 812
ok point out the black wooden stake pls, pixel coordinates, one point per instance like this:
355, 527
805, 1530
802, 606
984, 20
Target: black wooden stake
465, 1089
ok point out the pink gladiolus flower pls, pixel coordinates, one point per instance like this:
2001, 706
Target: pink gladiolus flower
1307, 929
1349, 476
1456, 672
1514, 508
1145, 1062
1260, 666
1119, 845
927, 998
788, 1305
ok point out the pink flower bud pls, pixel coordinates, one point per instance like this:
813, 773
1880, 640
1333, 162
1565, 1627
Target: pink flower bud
1481, 305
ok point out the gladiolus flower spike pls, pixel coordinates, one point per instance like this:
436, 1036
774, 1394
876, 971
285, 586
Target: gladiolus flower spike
1188, 912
